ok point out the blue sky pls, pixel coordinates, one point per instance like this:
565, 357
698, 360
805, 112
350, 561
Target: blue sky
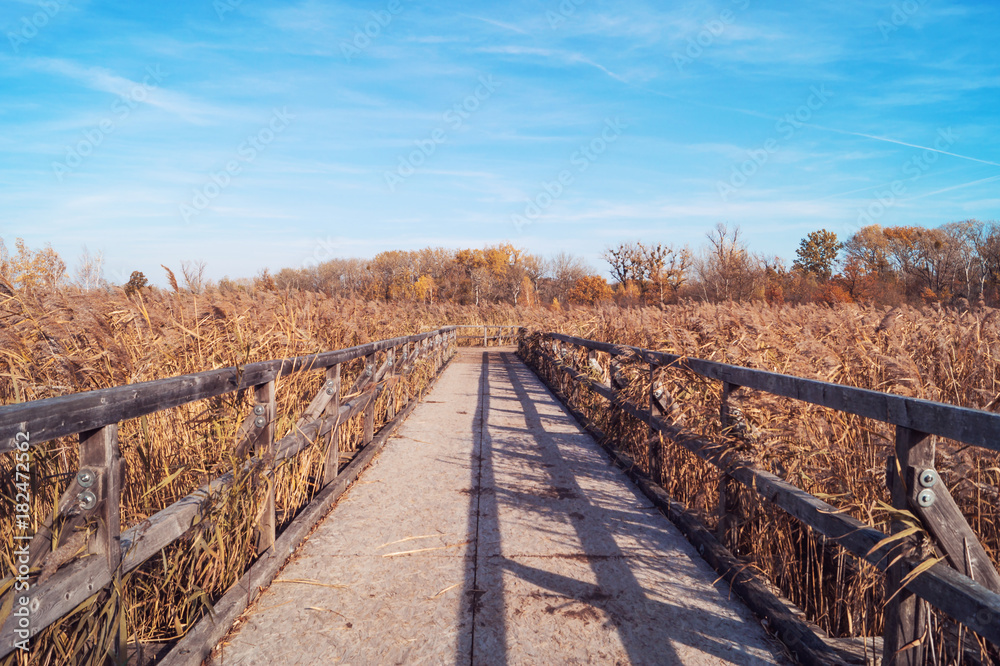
249, 133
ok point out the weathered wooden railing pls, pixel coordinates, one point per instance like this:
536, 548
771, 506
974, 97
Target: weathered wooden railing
498, 334
95, 492
966, 587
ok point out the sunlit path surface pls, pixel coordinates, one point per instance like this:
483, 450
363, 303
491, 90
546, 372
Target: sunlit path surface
492, 530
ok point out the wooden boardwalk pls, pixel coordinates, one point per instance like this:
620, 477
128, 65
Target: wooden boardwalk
492, 530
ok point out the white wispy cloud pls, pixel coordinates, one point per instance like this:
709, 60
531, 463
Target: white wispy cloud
148, 90
565, 57
954, 187
499, 24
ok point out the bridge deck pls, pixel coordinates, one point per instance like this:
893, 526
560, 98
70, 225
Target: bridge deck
492, 530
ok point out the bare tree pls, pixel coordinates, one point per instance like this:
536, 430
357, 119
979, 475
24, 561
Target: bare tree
665, 268
564, 270
90, 270
727, 271
626, 262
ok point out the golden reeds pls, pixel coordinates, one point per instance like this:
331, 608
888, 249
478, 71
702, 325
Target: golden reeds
936, 354
58, 343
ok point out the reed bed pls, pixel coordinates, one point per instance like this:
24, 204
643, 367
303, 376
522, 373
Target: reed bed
63, 342
932, 353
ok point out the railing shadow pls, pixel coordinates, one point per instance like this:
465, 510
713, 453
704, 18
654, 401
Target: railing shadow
482, 508
537, 456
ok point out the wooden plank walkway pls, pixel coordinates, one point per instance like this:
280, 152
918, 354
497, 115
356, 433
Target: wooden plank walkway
492, 530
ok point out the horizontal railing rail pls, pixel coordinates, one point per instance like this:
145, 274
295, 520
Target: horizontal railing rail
50, 418
971, 426
968, 590
94, 495
499, 333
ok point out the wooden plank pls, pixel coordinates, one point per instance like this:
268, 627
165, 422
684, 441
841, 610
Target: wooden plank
77, 580
391, 402
332, 388
729, 505
369, 422
971, 426
266, 413
99, 451
71, 414
68, 588
465, 326
324, 397
244, 435
786, 625
405, 363
41, 543
198, 643
960, 597
295, 442
655, 452
905, 614
944, 520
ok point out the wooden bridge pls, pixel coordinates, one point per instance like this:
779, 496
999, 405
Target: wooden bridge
483, 523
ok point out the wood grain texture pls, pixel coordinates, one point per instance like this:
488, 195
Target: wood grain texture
70, 414
77, 580
263, 443
331, 468
946, 523
957, 595
797, 636
971, 426
905, 614
198, 643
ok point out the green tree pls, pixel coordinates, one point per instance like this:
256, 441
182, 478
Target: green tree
136, 283
817, 253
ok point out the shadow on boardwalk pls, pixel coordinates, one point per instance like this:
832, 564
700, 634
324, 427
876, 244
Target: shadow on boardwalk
573, 588
492, 530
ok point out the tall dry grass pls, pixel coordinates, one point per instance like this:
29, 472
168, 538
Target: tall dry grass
54, 344
59, 343
935, 354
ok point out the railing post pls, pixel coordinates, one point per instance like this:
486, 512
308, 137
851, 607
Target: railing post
729, 506
391, 399
567, 381
616, 384
655, 455
263, 442
557, 373
332, 466
369, 423
402, 364
905, 615
101, 455
484, 335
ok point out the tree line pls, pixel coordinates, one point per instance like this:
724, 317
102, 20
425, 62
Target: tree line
882, 265
955, 262
495, 273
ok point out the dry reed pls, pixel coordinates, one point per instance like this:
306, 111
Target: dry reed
54, 344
